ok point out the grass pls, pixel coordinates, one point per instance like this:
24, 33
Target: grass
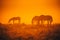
29, 32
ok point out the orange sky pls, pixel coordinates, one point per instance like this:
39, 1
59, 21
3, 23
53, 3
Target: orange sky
27, 9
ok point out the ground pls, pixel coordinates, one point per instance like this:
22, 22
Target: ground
29, 32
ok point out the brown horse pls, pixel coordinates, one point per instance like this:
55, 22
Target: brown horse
35, 20
14, 19
47, 18
41, 19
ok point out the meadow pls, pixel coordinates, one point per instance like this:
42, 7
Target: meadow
29, 32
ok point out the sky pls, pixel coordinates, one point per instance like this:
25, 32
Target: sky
27, 9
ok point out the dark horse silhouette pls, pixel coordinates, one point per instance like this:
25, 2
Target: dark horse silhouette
14, 19
42, 19
35, 19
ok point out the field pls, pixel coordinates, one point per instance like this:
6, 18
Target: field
29, 32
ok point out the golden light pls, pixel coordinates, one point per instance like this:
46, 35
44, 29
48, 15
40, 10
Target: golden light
27, 9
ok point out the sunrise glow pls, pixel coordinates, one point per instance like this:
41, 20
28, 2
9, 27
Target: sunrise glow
27, 9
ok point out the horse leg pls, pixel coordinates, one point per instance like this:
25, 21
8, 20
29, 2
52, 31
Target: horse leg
13, 21
19, 21
42, 23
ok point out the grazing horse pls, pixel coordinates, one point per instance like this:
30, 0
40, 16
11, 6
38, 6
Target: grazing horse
41, 19
35, 20
47, 18
14, 19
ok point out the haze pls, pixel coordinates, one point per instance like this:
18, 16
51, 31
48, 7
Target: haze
27, 9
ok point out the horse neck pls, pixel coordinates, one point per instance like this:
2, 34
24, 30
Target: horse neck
11, 19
